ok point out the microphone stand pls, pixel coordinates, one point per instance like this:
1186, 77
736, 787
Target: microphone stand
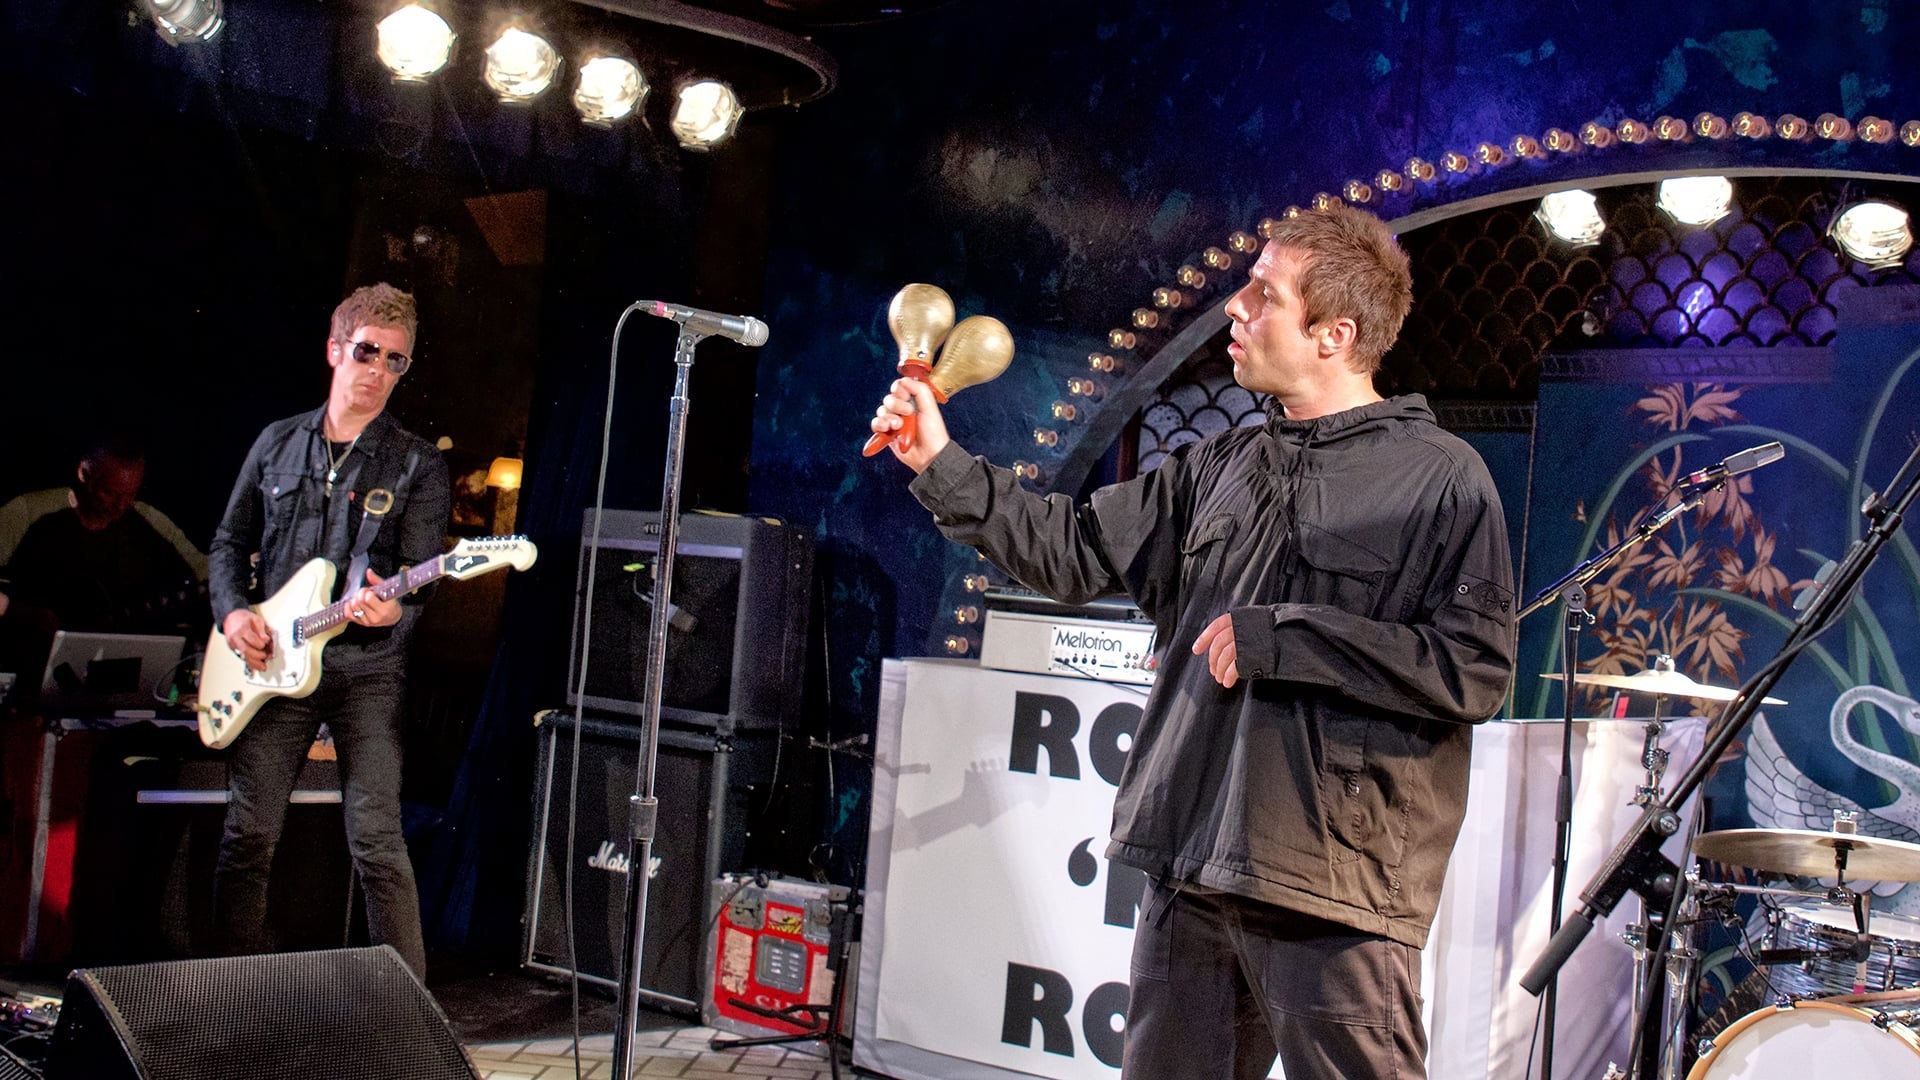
644, 810
1571, 589
1636, 863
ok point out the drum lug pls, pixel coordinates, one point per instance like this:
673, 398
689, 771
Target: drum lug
1782, 1002
1703, 1047
1882, 1021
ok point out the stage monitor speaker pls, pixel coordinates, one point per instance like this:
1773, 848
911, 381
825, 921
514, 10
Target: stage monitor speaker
288, 1016
721, 807
737, 634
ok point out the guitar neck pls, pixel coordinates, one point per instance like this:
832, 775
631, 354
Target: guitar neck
334, 614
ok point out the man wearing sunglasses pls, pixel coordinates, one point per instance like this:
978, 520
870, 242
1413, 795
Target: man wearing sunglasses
343, 482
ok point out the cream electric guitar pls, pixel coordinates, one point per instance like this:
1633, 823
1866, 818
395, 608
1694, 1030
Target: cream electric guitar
303, 622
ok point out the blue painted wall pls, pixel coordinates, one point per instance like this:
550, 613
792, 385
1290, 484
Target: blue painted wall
1053, 164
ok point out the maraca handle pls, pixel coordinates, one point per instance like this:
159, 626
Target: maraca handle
903, 439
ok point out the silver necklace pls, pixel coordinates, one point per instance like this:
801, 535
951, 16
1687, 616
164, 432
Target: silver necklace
334, 463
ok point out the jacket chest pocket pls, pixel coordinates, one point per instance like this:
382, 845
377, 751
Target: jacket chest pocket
282, 494
1326, 568
1203, 558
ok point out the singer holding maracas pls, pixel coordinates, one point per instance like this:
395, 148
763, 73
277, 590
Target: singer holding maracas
1333, 600
976, 351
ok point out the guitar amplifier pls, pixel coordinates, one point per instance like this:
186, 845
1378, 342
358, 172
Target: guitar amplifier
775, 955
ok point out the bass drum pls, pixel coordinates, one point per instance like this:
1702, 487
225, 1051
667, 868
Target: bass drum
1813, 1038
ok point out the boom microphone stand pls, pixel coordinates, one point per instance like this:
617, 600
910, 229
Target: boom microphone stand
1571, 589
1636, 862
644, 810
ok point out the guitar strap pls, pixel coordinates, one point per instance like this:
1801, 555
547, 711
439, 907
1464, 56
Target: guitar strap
373, 508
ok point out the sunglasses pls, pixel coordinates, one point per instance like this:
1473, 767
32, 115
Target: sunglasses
365, 352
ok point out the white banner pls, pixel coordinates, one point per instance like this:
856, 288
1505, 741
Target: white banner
997, 936
1000, 904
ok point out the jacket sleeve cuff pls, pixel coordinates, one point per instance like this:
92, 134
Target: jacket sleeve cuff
1253, 642
948, 472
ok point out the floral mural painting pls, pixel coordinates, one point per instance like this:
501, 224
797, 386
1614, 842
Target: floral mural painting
1670, 595
1698, 591
1716, 590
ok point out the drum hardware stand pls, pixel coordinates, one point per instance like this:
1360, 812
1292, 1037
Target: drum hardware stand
1571, 590
1682, 958
1636, 863
1682, 963
1652, 757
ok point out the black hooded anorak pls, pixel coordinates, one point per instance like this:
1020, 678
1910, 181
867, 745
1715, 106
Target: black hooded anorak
1363, 557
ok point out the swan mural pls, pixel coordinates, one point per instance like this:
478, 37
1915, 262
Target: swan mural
1781, 796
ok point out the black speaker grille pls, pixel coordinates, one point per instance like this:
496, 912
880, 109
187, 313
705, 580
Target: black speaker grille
13, 1068
292, 1016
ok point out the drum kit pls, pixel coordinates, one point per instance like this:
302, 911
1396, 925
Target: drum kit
1836, 986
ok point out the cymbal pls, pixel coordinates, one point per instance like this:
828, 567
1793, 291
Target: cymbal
1662, 683
1809, 853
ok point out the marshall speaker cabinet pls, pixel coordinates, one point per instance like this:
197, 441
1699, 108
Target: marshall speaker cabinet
736, 633
725, 803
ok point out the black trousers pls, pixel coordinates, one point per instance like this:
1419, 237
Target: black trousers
364, 713
1221, 984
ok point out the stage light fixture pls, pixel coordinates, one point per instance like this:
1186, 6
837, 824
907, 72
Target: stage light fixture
520, 65
186, 20
413, 42
1572, 216
1875, 232
610, 89
1696, 200
505, 473
707, 112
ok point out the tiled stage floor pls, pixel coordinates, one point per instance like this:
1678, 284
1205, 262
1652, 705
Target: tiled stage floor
681, 1052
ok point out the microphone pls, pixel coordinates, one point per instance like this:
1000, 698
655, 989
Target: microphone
744, 329
1743, 462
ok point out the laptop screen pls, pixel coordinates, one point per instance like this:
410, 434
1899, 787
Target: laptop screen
109, 672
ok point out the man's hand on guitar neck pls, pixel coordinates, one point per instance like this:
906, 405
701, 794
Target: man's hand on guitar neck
369, 610
248, 634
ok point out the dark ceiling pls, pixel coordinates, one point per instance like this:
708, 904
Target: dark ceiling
809, 13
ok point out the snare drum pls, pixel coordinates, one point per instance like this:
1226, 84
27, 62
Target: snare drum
1893, 961
1813, 1038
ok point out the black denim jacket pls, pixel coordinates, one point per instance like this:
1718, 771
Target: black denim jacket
279, 509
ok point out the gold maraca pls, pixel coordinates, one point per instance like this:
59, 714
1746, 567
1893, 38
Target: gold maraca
919, 317
977, 351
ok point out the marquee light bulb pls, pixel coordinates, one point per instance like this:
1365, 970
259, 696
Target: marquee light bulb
610, 89
413, 43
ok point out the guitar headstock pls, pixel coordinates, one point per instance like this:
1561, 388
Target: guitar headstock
477, 555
